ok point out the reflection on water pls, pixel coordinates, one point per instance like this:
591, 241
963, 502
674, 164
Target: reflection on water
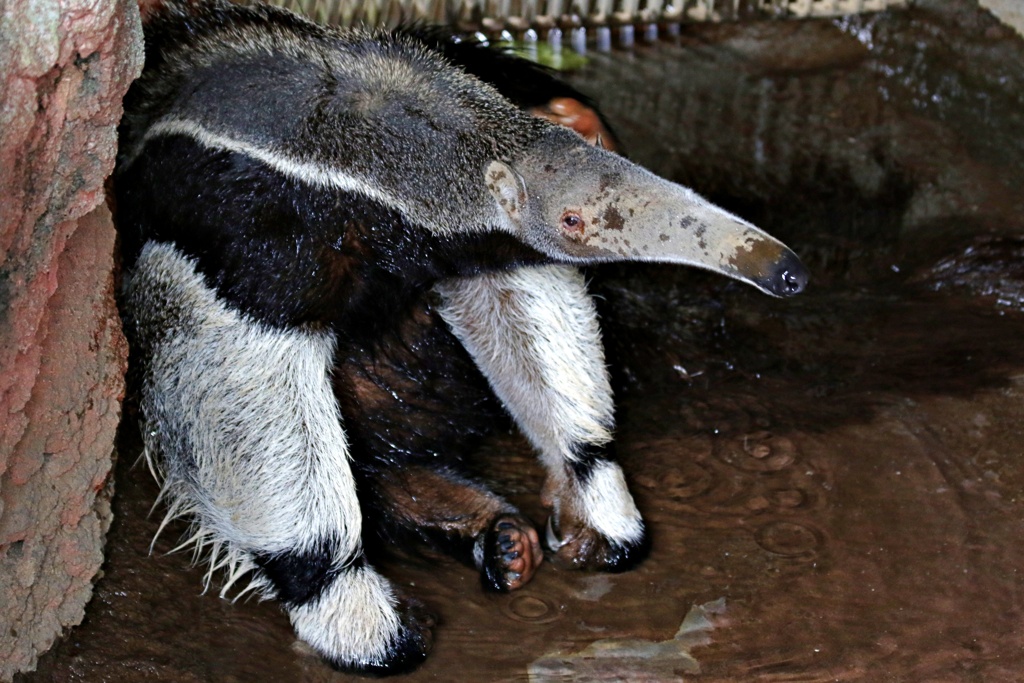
836, 478
632, 659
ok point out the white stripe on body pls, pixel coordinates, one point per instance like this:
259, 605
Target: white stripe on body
311, 174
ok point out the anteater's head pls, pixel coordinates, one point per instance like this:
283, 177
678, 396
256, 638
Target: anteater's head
578, 203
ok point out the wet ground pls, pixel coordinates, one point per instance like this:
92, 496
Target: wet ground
834, 483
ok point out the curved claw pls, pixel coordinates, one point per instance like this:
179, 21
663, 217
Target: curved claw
551, 536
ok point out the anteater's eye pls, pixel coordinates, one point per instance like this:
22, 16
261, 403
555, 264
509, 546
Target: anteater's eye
572, 222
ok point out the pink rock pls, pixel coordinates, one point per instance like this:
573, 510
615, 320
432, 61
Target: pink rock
63, 73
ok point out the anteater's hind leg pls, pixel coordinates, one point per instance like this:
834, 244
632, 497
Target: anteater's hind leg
534, 334
415, 405
244, 423
446, 510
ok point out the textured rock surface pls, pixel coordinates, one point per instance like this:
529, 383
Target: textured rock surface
64, 68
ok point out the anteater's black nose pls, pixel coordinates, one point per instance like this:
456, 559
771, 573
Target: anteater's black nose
789, 276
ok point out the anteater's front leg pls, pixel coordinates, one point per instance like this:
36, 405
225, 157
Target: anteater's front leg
534, 334
241, 419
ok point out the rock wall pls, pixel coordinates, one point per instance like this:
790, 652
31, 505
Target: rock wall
64, 67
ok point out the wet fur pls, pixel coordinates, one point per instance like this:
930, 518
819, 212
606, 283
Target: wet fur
279, 293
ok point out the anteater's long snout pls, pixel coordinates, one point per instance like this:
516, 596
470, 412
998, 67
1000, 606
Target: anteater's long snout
586, 205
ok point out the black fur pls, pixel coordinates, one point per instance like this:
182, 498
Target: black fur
288, 256
587, 455
621, 557
301, 577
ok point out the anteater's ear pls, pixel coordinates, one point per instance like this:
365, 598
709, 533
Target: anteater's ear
508, 189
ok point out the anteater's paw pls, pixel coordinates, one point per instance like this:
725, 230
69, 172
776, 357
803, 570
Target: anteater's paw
406, 650
576, 546
360, 626
511, 553
594, 522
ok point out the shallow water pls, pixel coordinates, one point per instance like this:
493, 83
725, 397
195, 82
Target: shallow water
834, 482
